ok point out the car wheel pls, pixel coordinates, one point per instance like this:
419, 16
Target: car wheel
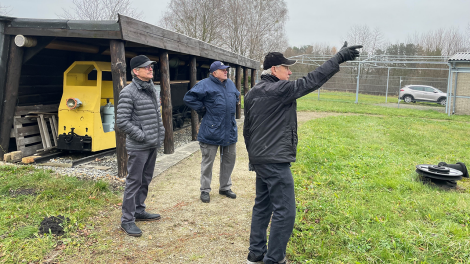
407, 99
443, 101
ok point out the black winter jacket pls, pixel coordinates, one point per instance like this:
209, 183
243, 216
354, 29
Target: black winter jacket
270, 127
138, 115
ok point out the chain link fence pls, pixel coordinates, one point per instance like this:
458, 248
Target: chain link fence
387, 84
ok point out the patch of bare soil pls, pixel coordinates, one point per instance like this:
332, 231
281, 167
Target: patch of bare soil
21, 191
189, 231
53, 225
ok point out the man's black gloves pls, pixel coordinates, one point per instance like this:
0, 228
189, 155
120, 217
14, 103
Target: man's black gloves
201, 112
347, 53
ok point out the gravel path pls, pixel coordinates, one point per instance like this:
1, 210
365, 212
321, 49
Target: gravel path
415, 106
105, 168
190, 231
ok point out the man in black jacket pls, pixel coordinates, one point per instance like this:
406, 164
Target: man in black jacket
270, 132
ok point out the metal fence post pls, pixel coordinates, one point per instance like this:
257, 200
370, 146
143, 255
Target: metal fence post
388, 77
357, 83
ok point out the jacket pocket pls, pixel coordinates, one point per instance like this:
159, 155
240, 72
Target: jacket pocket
212, 129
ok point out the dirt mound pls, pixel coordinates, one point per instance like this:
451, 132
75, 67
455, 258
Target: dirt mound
54, 224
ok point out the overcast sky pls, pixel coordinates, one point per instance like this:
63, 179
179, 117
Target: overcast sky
313, 21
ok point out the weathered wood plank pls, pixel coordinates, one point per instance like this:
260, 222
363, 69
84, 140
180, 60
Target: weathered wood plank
45, 129
30, 150
118, 70
54, 32
23, 110
41, 132
27, 131
167, 115
53, 130
192, 82
29, 140
11, 90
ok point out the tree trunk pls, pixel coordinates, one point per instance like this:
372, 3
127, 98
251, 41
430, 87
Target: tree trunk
167, 112
192, 82
118, 70
15, 60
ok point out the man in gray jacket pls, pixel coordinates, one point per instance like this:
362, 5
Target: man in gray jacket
138, 115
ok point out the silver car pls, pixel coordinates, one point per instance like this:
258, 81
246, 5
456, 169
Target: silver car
413, 93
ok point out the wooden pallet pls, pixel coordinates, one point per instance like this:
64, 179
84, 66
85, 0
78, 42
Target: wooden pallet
33, 129
27, 135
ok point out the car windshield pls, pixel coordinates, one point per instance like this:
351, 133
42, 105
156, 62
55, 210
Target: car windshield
439, 90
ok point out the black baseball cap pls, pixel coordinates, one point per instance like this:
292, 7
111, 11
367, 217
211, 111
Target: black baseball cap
276, 59
140, 61
217, 65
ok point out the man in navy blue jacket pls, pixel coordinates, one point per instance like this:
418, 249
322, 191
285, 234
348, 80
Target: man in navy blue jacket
215, 99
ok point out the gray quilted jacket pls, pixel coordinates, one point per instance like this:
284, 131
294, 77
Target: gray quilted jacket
138, 115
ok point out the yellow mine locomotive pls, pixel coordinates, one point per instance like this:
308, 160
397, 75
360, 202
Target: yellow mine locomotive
86, 110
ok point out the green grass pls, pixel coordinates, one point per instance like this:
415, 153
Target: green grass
341, 102
358, 199
28, 195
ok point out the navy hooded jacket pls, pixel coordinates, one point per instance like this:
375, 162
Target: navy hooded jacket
218, 126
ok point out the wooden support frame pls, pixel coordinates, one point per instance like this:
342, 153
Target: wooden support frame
238, 84
167, 112
118, 70
11, 90
192, 82
246, 86
253, 78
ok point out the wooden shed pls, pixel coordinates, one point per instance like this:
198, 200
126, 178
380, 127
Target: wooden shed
458, 94
31, 69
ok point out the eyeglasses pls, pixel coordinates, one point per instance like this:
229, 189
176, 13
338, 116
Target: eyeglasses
148, 67
224, 70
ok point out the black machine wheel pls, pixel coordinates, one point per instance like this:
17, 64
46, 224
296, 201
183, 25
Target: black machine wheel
442, 101
407, 98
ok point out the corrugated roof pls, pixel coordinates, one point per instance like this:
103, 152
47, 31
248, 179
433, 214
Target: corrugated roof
460, 56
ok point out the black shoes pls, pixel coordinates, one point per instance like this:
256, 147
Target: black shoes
131, 229
252, 258
205, 198
146, 216
284, 261
228, 193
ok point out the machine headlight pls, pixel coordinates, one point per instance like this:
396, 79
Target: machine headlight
73, 103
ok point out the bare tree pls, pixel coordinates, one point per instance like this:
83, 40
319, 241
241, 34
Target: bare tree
371, 39
5, 10
200, 19
100, 10
247, 27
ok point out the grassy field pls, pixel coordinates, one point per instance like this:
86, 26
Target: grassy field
358, 198
28, 195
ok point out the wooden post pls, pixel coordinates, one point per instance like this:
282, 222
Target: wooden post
228, 71
15, 60
118, 70
192, 82
246, 86
253, 78
167, 115
238, 84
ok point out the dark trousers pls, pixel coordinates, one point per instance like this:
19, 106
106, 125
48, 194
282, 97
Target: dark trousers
140, 168
274, 196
